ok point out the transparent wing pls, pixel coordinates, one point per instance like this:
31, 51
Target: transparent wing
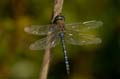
42, 43
76, 38
83, 26
37, 30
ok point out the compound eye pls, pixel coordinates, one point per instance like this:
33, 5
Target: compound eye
59, 17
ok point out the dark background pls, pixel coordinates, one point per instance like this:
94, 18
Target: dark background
100, 61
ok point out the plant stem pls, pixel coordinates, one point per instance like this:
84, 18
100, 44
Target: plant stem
57, 9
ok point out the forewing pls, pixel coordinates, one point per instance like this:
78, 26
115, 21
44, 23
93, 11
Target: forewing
42, 43
76, 38
37, 30
83, 26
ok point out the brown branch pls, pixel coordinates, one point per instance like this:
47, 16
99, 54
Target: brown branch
57, 9
46, 59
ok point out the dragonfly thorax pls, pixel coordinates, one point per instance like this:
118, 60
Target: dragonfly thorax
59, 21
60, 24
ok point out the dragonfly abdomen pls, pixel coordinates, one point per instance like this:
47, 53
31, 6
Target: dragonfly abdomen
61, 34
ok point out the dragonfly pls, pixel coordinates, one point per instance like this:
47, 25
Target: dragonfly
74, 33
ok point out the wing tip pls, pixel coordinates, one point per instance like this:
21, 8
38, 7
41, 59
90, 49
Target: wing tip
100, 23
92, 21
26, 29
99, 41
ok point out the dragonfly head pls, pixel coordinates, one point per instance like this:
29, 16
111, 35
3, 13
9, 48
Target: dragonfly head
59, 17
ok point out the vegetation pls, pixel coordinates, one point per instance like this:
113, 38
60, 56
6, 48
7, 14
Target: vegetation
87, 62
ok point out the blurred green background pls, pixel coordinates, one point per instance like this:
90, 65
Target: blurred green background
100, 61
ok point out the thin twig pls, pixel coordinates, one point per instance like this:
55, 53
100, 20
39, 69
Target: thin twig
57, 9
